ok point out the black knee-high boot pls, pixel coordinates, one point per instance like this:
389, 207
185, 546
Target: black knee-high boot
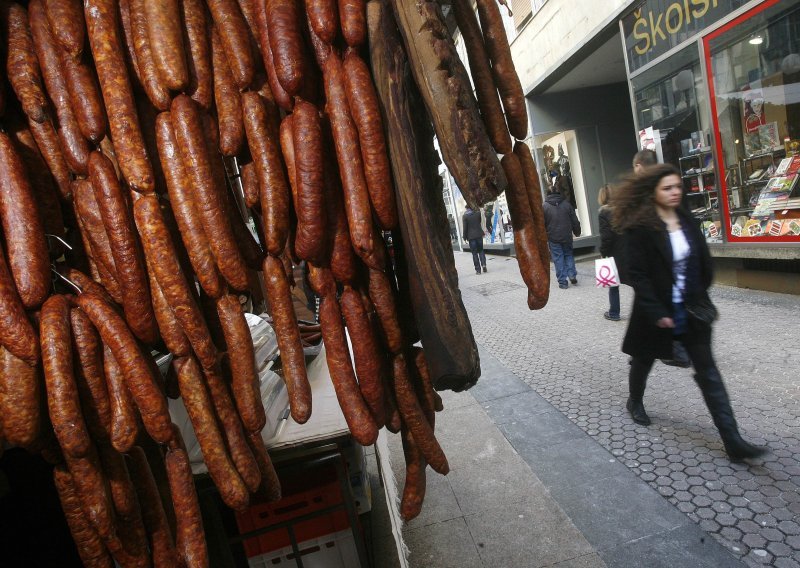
719, 405
637, 381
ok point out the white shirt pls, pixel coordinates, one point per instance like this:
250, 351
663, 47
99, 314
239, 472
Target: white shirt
680, 258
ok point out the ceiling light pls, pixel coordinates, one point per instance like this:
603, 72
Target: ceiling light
756, 40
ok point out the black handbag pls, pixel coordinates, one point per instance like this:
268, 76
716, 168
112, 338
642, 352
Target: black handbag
703, 310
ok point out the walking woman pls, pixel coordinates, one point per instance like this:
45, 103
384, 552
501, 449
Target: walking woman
611, 244
669, 267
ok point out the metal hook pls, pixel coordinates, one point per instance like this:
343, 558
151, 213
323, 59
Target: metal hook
67, 280
59, 239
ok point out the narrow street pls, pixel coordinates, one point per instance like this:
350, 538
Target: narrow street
568, 355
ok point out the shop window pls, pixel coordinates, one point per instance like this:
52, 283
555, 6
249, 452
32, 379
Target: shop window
673, 120
560, 169
522, 9
754, 80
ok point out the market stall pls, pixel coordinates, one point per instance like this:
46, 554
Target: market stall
166, 166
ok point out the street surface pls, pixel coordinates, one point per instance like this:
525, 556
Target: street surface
570, 355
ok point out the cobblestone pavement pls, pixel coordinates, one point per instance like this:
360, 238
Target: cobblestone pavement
570, 355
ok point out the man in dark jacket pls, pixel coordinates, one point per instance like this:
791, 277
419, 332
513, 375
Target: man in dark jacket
473, 234
561, 224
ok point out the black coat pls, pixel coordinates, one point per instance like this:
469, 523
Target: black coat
560, 220
471, 225
613, 244
649, 257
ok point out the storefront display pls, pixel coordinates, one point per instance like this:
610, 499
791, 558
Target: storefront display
561, 169
725, 109
669, 101
754, 77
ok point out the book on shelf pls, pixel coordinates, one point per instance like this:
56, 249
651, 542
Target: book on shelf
780, 184
792, 203
783, 166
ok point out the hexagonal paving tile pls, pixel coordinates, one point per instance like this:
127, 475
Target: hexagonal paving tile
583, 357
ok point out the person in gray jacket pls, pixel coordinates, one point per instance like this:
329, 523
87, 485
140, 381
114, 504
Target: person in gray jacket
473, 234
561, 223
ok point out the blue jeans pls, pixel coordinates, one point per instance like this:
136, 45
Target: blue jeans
476, 246
613, 301
561, 253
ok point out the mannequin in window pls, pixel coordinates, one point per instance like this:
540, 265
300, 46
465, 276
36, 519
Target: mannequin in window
563, 162
549, 157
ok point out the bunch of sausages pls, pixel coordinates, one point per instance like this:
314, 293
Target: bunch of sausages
502, 107
140, 139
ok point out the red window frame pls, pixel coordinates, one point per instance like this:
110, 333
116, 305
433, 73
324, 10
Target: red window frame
721, 181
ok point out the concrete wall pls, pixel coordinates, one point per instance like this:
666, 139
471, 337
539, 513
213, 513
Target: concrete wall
557, 30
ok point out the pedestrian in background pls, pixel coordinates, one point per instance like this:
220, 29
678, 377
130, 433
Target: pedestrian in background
611, 245
670, 269
644, 159
561, 223
473, 234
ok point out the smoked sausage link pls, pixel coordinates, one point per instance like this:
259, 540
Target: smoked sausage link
160, 249
124, 419
190, 538
28, 257
366, 353
245, 385
228, 101
20, 400
90, 547
66, 21
480, 68
128, 258
414, 417
231, 426
123, 121
505, 75
363, 102
235, 36
209, 197
186, 215
73, 144
288, 336
153, 516
348, 154
92, 389
310, 242
201, 412
534, 272
62, 391
286, 44
356, 413
353, 18
198, 52
139, 378
164, 31
323, 18
22, 68
151, 83
262, 136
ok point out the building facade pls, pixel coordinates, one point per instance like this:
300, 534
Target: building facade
713, 86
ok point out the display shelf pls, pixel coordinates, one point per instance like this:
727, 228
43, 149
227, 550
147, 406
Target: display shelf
695, 155
706, 171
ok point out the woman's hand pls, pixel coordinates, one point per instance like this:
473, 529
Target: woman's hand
665, 323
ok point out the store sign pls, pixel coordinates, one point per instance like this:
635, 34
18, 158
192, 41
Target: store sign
657, 26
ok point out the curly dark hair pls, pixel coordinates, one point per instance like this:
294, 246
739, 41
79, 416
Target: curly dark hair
633, 201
